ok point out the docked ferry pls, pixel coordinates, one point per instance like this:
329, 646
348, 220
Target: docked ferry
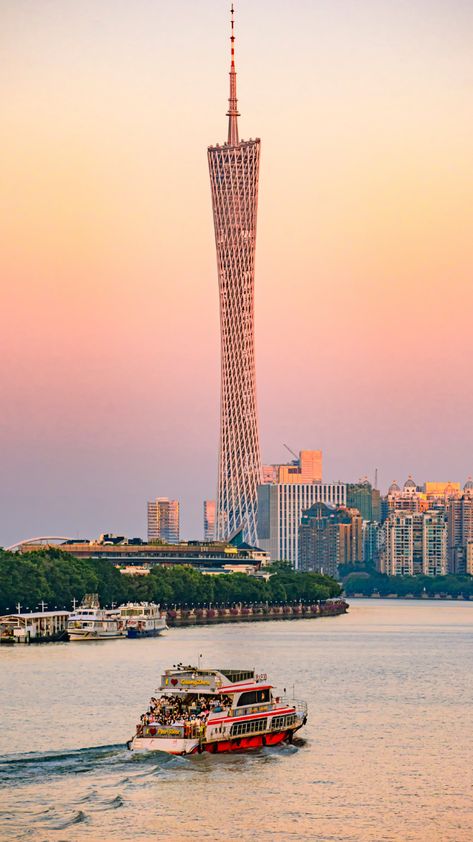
213, 710
143, 619
90, 622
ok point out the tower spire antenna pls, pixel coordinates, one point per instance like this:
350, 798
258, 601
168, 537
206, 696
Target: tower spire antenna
232, 112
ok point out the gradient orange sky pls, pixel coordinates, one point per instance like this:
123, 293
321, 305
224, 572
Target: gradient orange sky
109, 358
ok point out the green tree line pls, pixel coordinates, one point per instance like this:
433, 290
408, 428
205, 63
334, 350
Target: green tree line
417, 586
57, 578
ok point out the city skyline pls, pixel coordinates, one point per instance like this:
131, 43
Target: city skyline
364, 256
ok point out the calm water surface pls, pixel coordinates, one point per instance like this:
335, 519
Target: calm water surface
387, 753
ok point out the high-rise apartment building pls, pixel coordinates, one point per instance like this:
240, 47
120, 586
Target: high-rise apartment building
306, 468
210, 509
280, 508
373, 537
414, 543
469, 557
434, 543
163, 520
234, 168
460, 529
329, 536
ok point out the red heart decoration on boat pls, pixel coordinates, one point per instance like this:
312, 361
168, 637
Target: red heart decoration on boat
174, 681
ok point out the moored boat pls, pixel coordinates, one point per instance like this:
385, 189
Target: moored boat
143, 619
91, 622
213, 710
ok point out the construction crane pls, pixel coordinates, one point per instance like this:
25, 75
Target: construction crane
291, 451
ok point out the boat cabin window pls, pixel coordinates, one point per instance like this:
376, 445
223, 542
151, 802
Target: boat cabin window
253, 697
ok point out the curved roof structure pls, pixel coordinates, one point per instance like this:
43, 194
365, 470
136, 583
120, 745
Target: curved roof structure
40, 539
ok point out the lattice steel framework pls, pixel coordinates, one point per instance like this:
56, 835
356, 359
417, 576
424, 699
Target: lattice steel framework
234, 171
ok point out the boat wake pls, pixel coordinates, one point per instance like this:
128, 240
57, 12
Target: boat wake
16, 769
38, 788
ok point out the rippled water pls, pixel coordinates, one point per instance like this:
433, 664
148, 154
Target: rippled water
387, 753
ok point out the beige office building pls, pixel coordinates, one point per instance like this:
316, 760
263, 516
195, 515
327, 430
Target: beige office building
163, 520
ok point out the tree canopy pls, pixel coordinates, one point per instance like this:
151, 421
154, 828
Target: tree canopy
57, 578
417, 586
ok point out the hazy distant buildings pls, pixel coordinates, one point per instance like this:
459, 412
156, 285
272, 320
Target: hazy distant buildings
234, 168
280, 507
210, 508
328, 536
307, 467
163, 520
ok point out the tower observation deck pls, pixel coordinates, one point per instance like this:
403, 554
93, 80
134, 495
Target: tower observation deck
234, 169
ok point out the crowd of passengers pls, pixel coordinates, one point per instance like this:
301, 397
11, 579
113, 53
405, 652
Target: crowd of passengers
173, 710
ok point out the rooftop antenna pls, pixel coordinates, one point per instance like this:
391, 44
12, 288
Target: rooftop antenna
376, 478
233, 112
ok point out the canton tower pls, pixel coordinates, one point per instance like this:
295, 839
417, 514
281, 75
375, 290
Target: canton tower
234, 168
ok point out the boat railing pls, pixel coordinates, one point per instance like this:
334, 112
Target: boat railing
298, 704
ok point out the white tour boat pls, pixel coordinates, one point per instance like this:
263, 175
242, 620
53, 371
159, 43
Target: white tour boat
90, 622
143, 619
212, 710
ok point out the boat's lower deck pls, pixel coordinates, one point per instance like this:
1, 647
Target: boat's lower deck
192, 746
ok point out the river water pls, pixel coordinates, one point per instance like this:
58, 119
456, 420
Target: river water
387, 753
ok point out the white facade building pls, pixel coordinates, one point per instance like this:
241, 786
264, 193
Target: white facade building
415, 542
280, 508
399, 543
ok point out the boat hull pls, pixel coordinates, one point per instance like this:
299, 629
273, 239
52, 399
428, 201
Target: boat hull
88, 636
168, 746
134, 633
186, 746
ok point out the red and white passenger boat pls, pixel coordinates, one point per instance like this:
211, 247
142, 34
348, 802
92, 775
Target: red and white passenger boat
212, 710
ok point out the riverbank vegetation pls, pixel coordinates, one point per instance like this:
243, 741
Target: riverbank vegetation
374, 583
58, 578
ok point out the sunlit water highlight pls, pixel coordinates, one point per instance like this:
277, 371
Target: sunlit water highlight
386, 755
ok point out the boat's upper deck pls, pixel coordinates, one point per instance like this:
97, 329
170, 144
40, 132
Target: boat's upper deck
183, 680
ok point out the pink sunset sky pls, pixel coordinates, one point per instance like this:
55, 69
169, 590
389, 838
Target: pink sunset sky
109, 359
